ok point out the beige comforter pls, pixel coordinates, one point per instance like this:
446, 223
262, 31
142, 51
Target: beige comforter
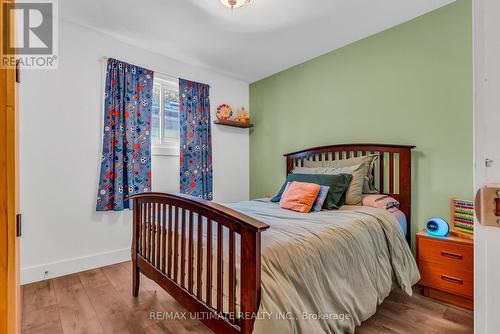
325, 272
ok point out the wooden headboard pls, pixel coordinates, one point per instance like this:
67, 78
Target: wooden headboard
392, 172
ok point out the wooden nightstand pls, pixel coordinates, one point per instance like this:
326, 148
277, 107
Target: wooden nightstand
447, 268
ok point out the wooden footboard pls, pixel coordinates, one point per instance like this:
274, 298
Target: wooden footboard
193, 249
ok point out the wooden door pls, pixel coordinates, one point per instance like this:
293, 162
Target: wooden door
9, 193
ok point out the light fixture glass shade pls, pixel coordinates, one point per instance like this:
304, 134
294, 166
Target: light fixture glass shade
234, 3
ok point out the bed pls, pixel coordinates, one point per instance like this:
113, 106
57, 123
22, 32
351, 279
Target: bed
254, 267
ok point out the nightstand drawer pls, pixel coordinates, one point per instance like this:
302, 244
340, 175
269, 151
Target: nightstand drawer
446, 279
448, 254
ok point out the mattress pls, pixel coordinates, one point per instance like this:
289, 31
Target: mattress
326, 272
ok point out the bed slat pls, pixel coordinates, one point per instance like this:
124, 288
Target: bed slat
183, 248
176, 244
164, 237
391, 173
170, 250
199, 257
158, 237
143, 229
148, 233
190, 253
232, 273
220, 263
154, 223
208, 296
381, 171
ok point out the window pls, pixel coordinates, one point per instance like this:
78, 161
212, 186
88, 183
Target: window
165, 117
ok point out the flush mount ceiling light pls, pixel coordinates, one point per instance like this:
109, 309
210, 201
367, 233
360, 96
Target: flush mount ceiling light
234, 3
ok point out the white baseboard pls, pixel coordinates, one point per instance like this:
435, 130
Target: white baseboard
65, 267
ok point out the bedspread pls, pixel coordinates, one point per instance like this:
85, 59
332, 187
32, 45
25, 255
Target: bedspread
326, 272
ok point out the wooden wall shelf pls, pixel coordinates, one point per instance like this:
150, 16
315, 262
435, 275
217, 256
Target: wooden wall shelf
233, 123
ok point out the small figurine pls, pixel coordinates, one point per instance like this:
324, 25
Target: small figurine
242, 115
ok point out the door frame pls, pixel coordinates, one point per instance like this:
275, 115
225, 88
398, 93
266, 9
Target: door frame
9, 192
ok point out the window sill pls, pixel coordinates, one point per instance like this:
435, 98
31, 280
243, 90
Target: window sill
165, 151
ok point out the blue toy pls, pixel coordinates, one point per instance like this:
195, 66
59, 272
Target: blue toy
437, 227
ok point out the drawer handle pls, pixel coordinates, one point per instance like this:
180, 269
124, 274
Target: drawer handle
452, 255
452, 279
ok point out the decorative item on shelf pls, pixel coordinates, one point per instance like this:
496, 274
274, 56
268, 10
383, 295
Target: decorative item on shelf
242, 116
224, 112
225, 117
462, 217
437, 227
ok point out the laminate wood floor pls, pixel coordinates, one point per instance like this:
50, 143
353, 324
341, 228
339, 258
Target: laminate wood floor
100, 301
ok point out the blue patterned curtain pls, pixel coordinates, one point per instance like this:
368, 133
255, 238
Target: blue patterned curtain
195, 139
126, 149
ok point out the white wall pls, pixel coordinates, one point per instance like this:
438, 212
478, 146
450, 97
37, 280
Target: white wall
60, 145
487, 145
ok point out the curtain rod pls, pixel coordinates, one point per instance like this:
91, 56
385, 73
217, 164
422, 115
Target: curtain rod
105, 58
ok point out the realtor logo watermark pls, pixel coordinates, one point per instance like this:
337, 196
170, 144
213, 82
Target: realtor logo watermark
33, 45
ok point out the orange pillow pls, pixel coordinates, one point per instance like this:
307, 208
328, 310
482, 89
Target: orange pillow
300, 196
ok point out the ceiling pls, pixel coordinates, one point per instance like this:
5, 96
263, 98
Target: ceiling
250, 43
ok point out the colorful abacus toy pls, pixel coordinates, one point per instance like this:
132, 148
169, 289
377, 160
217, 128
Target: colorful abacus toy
462, 217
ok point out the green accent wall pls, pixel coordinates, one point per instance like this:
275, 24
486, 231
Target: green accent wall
411, 84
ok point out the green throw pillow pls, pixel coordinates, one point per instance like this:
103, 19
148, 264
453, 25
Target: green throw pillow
338, 185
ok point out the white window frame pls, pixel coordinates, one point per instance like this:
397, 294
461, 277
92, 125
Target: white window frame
168, 148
